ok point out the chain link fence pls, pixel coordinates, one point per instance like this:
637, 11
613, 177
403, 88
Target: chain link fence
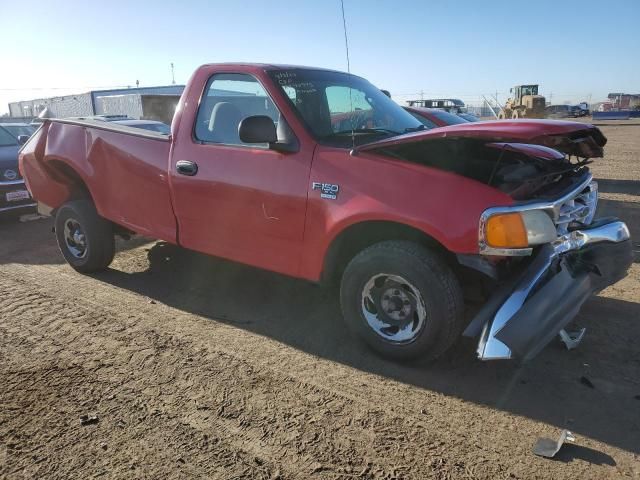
487, 105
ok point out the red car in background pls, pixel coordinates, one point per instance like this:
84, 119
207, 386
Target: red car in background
434, 118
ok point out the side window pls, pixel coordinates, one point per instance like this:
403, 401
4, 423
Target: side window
228, 99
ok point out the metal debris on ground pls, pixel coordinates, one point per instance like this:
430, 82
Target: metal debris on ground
88, 419
30, 217
572, 339
545, 447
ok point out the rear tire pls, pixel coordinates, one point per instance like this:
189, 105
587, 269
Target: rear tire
85, 239
402, 300
516, 114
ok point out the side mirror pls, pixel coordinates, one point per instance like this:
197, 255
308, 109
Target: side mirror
257, 129
22, 139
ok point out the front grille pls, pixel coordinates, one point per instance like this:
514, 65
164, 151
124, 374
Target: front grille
579, 209
9, 174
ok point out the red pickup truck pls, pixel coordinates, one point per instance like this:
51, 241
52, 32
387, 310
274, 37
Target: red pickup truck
317, 174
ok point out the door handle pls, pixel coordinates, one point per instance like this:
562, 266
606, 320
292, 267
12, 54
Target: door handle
186, 167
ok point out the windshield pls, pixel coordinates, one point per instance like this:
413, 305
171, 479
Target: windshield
6, 139
333, 104
17, 130
529, 90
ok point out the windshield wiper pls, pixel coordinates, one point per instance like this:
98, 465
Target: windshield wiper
369, 131
414, 129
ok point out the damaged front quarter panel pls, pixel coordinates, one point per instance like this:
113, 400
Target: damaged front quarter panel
541, 165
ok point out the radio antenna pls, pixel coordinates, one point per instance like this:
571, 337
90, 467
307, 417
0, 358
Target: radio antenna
346, 46
346, 39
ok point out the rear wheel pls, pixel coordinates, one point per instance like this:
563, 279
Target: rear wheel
403, 300
516, 114
85, 239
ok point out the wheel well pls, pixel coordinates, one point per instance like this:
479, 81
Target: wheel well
67, 175
63, 173
359, 236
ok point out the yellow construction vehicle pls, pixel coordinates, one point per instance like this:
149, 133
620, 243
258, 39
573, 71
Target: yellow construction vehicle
524, 103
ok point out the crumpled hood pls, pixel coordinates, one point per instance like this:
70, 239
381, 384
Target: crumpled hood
572, 138
9, 157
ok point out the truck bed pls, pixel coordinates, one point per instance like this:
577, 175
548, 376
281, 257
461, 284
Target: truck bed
124, 168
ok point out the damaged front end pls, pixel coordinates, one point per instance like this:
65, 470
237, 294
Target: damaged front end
552, 255
546, 290
532, 307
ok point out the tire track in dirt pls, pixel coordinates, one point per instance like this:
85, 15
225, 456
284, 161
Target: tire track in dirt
269, 407
231, 406
31, 325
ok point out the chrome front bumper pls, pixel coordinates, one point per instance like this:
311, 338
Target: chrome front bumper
531, 309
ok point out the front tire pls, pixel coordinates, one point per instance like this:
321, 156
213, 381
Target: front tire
85, 239
403, 300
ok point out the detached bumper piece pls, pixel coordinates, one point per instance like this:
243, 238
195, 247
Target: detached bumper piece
525, 314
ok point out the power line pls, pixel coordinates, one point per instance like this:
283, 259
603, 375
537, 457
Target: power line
63, 88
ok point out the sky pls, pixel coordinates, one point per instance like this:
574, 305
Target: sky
576, 50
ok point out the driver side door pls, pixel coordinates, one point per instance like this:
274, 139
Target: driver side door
244, 202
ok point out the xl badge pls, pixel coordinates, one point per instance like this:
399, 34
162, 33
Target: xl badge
327, 190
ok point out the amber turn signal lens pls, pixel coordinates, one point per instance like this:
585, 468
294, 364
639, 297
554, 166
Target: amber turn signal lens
506, 230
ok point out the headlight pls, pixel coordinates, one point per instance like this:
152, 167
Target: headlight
540, 227
517, 230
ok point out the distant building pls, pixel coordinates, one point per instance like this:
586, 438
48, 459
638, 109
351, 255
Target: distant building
624, 101
140, 106
83, 104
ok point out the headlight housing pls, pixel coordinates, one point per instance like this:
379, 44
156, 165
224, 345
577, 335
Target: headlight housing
513, 233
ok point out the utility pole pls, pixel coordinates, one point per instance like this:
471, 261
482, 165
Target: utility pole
173, 75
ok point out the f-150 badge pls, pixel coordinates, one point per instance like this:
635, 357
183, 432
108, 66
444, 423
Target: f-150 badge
327, 190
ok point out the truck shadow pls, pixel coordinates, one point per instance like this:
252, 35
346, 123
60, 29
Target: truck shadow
32, 242
550, 389
629, 187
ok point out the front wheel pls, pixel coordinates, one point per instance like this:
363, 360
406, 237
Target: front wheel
85, 239
403, 300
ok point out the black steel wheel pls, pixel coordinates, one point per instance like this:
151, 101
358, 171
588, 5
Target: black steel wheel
85, 239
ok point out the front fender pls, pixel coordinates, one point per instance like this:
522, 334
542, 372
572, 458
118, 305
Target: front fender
441, 204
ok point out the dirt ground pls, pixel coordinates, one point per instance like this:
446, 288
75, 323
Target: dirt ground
199, 368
